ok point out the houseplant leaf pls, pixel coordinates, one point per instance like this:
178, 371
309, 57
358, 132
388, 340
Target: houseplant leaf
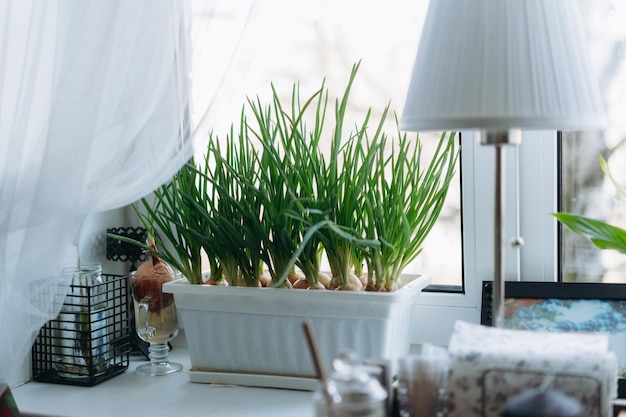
601, 234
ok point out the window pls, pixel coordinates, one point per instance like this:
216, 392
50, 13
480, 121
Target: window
536, 260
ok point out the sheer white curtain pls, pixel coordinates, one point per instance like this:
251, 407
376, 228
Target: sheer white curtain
227, 37
94, 113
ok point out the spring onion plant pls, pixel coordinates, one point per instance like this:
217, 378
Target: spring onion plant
234, 232
319, 231
169, 220
277, 185
404, 200
269, 197
289, 175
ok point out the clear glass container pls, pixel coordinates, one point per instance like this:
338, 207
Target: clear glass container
156, 320
350, 392
81, 339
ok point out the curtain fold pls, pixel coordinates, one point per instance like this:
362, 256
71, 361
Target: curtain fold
94, 114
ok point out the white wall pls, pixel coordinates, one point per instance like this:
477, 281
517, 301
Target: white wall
93, 240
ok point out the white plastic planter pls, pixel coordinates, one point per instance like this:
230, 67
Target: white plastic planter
255, 336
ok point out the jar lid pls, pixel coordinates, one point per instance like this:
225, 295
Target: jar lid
351, 383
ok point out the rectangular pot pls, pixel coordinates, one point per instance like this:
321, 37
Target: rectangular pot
255, 336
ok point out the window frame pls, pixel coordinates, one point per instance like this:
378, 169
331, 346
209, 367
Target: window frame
537, 259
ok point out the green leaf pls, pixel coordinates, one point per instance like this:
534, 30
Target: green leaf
601, 234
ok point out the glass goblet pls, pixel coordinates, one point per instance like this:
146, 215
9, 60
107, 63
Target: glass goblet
156, 321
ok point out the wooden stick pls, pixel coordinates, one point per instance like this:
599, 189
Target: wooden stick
313, 347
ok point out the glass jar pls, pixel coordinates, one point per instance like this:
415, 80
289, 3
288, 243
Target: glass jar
350, 392
80, 342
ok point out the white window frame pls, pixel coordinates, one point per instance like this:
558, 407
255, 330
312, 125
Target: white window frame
537, 259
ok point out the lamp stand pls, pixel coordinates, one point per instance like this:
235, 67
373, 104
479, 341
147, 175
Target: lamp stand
499, 139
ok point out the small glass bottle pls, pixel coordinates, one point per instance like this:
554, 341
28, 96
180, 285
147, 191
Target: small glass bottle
350, 392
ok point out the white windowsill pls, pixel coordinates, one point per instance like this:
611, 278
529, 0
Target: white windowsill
132, 395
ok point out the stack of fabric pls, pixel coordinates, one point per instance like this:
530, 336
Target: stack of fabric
490, 365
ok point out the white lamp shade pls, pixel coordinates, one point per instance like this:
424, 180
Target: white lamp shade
503, 64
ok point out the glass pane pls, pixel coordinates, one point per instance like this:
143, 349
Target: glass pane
315, 41
586, 190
